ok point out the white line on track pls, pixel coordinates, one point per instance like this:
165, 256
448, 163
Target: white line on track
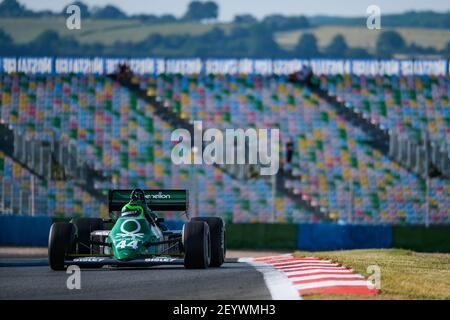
279, 285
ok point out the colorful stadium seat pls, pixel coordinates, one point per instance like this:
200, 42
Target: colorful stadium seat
334, 168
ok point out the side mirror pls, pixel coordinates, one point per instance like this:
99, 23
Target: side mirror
160, 220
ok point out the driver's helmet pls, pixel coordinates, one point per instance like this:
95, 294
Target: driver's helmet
137, 195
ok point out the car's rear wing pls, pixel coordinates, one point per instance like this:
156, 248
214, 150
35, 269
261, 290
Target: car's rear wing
157, 200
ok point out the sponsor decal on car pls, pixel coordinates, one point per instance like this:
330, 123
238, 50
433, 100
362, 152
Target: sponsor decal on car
160, 195
160, 259
129, 237
130, 213
103, 233
89, 259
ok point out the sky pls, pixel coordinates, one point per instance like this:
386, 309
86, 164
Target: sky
258, 8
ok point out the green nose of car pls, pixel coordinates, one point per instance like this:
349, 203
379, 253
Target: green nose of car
129, 236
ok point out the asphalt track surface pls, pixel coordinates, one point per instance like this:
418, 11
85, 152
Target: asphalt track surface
35, 280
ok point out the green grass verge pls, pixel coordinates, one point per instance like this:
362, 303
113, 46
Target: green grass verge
261, 236
404, 274
420, 238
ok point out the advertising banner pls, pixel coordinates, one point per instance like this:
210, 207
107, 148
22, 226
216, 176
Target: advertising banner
191, 66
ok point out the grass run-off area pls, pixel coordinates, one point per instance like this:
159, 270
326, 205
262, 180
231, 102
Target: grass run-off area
404, 274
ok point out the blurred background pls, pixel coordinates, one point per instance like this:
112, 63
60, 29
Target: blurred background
267, 29
364, 114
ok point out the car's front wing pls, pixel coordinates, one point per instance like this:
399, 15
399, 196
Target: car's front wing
100, 261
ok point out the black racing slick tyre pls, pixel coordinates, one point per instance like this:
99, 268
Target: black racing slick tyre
197, 245
60, 241
217, 234
85, 226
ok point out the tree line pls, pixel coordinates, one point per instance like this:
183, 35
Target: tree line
209, 10
410, 19
241, 42
196, 11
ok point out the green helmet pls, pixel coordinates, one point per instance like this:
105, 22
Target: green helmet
137, 195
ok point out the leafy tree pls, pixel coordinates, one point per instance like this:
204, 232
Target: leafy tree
167, 18
238, 44
109, 12
151, 18
307, 46
198, 11
447, 48
154, 40
416, 49
277, 22
195, 11
211, 10
5, 39
6, 43
337, 48
12, 8
261, 42
84, 9
416, 19
358, 53
388, 43
176, 41
216, 34
245, 18
47, 43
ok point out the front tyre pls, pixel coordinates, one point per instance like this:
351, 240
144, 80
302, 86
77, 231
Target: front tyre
84, 227
218, 246
197, 245
60, 241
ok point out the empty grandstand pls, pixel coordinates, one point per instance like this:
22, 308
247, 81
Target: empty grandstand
120, 136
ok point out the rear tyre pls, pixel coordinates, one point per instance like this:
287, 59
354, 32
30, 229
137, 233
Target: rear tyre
85, 226
218, 246
60, 240
197, 245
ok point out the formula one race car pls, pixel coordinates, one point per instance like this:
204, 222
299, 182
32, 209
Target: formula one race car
135, 241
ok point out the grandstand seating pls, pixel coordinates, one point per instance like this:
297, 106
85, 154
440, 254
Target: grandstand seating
333, 164
408, 104
121, 136
55, 198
